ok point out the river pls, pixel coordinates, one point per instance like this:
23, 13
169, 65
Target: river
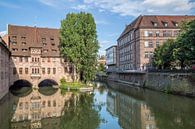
104, 108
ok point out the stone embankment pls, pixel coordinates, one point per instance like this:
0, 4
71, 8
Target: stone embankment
174, 83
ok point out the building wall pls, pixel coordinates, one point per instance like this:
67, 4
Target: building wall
149, 40
35, 55
139, 39
4, 69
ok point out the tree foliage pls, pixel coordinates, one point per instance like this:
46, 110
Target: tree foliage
163, 55
80, 114
79, 43
181, 50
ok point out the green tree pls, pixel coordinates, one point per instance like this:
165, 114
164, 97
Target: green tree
81, 113
79, 43
163, 55
101, 67
184, 51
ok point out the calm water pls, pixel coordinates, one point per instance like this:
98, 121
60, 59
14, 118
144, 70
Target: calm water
103, 109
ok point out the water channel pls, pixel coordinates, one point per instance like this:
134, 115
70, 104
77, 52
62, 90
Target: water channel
104, 108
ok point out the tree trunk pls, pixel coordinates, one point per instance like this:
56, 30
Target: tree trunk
182, 64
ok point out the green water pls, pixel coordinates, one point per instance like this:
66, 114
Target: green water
104, 108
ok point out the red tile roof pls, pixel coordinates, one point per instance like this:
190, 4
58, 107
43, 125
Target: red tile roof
147, 21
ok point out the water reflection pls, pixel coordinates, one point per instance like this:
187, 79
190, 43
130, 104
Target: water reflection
131, 113
105, 108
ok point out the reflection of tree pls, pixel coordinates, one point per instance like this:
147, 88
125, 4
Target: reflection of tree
171, 112
80, 114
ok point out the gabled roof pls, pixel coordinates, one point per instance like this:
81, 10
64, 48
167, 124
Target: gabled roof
147, 21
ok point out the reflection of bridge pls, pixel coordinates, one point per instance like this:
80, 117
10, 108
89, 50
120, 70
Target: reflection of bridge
36, 107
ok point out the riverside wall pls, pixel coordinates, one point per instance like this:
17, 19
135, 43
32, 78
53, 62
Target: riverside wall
174, 83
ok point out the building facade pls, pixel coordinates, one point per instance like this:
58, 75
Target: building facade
35, 55
4, 68
111, 58
138, 41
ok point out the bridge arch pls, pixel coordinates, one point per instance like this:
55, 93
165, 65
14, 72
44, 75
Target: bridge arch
21, 83
48, 82
21, 88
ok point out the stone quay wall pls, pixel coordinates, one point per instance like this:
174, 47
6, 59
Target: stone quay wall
174, 83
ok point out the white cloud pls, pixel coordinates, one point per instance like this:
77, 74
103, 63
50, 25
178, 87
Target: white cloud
136, 7
101, 22
81, 7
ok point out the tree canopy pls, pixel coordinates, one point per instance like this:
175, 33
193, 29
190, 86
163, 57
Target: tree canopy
179, 52
79, 43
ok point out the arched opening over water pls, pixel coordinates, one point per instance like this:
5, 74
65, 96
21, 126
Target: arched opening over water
48, 83
21, 88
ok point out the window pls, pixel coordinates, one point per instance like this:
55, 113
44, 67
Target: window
175, 33
26, 59
20, 59
54, 103
15, 49
150, 44
33, 70
65, 69
24, 50
14, 37
26, 70
14, 71
146, 33
43, 70
23, 43
155, 24
167, 33
48, 60
54, 70
20, 70
44, 44
43, 104
32, 59
14, 43
146, 44
148, 54
157, 34
21, 105
70, 69
49, 103
157, 43
165, 24
150, 34
48, 70
23, 38
53, 50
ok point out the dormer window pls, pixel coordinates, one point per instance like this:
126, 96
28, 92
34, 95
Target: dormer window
165, 24
175, 24
154, 23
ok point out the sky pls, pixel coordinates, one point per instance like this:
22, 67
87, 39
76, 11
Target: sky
111, 16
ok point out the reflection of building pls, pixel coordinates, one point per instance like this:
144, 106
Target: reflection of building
132, 113
128, 112
36, 108
36, 56
137, 42
112, 103
147, 118
4, 68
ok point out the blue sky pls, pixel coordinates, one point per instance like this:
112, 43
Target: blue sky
111, 16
